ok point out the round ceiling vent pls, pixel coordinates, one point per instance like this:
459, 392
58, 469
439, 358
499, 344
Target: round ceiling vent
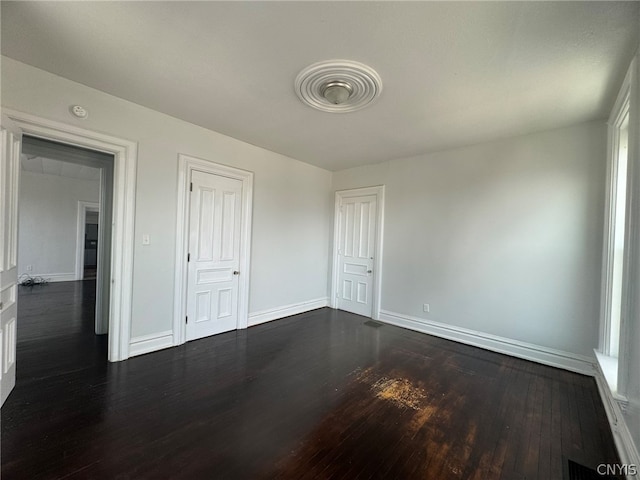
338, 85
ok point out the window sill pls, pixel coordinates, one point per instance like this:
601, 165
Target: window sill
609, 368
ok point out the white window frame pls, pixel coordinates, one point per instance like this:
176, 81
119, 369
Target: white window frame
621, 108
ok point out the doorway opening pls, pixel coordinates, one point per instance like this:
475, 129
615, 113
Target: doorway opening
117, 275
65, 198
90, 264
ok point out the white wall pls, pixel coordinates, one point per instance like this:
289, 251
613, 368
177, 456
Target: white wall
48, 223
503, 238
291, 208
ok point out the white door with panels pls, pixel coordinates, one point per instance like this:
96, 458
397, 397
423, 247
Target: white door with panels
356, 254
9, 170
214, 254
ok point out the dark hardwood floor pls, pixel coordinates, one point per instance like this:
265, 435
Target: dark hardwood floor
314, 396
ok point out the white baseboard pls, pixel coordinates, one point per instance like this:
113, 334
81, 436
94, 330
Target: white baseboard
150, 343
53, 277
263, 316
627, 449
528, 351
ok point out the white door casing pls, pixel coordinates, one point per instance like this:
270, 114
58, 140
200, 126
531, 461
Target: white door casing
125, 154
184, 301
101, 321
214, 254
83, 208
9, 183
358, 251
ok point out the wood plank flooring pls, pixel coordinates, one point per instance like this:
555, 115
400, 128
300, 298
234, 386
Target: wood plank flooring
314, 396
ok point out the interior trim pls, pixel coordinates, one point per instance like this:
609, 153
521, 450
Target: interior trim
613, 408
270, 314
379, 192
150, 343
125, 154
186, 164
528, 351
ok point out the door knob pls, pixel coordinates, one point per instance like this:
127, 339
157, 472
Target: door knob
369, 271
235, 272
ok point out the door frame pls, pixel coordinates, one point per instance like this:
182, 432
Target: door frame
9, 185
379, 192
101, 322
83, 208
186, 165
125, 154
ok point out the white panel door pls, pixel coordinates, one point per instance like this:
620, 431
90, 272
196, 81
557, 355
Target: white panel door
9, 170
214, 254
356, 254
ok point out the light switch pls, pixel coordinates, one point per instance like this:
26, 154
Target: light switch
145, 239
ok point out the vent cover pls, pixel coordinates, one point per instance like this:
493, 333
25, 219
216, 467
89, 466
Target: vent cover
371, 323
577, 471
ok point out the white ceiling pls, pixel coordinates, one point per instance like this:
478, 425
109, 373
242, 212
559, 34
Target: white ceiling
49, 166
453, 73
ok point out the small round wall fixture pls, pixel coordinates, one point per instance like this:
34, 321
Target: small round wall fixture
79, 111
338, 86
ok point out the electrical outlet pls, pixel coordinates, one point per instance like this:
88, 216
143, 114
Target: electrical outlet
29, 268
425, 307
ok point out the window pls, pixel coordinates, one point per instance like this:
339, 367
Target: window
618, 228
614, 305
